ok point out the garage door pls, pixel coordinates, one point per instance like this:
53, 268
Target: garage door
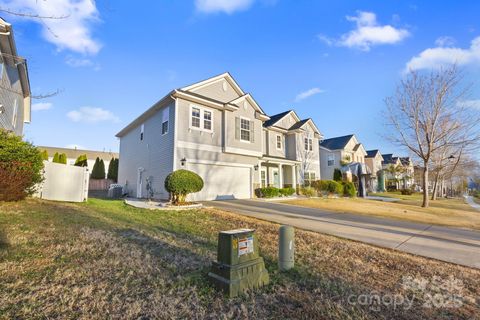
222, 182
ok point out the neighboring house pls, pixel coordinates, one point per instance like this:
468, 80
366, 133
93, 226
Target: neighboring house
220, 132
373, 160
339, 151
408, 177
73, 154
15, 105
399, 171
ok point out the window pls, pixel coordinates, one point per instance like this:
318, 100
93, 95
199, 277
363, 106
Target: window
195, 117
165, 118
279, 142
330, 160
309, 177
308, 144
142, 128
244, 129
207, 120
15, 112
263, 177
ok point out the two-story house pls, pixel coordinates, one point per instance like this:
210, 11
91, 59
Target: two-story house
408, 176
338, 152
220, 132
374, 160
15, 105
393, 169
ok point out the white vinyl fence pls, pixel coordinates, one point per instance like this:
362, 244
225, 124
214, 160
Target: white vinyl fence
64, 183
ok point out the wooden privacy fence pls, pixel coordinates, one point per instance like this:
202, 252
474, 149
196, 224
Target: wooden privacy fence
100, 184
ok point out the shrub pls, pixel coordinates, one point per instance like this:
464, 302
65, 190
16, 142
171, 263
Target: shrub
337, 175
62, 158
268, 192
44, 155
113, 170
285, 192
182, 182
81, 161
406, 192
56, 158
329, 186
349, 189
308, 191
98, 170
21, 167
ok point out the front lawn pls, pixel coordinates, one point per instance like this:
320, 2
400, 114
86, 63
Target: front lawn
445, 212
103, 259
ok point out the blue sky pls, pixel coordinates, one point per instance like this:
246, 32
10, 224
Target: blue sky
333, 61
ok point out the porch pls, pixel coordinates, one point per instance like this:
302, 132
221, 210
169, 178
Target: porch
279, 173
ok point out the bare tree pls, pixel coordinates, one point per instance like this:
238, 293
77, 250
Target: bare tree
426, 115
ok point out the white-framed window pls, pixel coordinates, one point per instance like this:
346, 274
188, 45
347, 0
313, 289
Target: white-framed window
279, 142
1, 69
15, 113
201, 119
245, 129
309, 177
330, 160
142, 130
308, 144
165, 118
263, 178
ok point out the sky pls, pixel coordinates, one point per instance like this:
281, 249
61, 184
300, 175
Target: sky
332, 61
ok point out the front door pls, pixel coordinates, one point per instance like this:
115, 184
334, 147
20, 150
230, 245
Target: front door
276, 178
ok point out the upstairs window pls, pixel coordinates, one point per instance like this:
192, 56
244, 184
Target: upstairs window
207, 120
195, 117
308, 144
330, 160
165, 118
15, 113
244, 129
142, 128
279, 142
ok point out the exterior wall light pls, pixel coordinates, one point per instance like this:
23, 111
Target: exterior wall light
183, 161
255, 167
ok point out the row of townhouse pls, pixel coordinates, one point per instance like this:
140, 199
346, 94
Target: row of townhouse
220, 132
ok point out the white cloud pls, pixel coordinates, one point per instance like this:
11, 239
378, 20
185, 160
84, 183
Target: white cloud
325, 39
227, 6
73, 32
475, 104
92, 115
74, 62
434, 58
41, 106
75, 146
445, 41
306, 94
369, 33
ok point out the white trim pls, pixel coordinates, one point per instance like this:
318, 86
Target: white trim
243, 152
198, 146
221, 163
249, 130
165, 110
202, 110
224, 76
175, 134
281, 141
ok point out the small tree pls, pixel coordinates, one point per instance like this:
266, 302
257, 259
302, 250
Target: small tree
44, 155
182, 182
113, 170
81, 161
56, 158
21, 167
337, 175
62, 158
98, 171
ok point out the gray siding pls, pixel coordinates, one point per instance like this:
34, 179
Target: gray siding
11, 93
216, 91
326, 172
154, 154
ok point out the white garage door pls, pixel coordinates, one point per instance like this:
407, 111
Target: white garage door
222, 182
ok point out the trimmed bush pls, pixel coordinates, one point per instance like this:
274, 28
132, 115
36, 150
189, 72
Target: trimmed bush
268, 192
21, 167
406, 192
308, 192
349, 190
62, 158
81, 161
44, 155
182, 182
337, 175
285, 192
98, 171
113, 170
56, 158
329, 186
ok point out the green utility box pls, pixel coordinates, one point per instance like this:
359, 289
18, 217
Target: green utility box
239, 266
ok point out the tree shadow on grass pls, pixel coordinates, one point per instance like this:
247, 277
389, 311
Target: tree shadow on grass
4, 243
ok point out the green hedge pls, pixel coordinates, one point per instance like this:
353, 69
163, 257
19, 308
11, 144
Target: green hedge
329, 186
268, 192
182, 182
287, 191
349, 189
308, 191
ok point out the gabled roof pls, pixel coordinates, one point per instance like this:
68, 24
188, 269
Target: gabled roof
405, 161
372, 153
389, 158
336, 143
226, 75
277, 117
299, 124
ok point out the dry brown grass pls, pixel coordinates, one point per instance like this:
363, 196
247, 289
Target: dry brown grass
444, 212
105, 260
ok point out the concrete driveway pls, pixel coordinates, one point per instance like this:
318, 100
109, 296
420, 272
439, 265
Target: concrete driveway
448, 244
